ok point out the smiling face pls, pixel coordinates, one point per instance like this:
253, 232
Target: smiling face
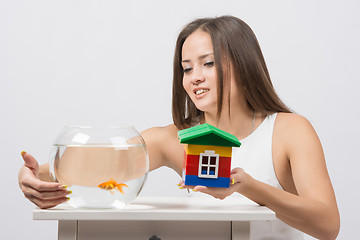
236, 82
200, 79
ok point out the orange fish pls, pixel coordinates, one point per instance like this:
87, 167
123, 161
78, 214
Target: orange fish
111, 185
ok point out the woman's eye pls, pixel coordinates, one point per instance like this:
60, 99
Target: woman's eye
186, 70
209, 64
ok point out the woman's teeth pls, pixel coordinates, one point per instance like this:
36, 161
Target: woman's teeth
198, 92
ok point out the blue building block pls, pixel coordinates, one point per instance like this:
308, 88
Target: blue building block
193, 180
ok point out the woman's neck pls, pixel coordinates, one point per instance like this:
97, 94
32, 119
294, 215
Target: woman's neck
240, 122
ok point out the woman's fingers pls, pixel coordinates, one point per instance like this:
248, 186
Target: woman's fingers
49, 203
238, 180
236, 176
41, 193
27, 179
182, 185
30, 162
37, 184
45, 195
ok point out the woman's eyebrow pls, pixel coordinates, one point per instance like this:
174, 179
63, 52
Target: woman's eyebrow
200, 57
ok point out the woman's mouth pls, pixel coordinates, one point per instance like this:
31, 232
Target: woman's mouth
200, 92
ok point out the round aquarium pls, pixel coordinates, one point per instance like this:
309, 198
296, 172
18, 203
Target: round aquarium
104, 167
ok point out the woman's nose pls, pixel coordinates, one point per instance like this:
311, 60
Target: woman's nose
197, 76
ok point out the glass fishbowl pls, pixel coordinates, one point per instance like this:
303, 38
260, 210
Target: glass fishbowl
104, 167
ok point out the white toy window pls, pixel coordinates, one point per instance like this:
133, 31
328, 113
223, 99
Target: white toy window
208, 164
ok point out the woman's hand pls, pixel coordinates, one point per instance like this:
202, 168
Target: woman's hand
239, 180
42, 194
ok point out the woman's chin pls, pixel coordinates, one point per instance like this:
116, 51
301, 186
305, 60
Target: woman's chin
206, 108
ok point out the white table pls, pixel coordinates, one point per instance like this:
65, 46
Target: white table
162, 218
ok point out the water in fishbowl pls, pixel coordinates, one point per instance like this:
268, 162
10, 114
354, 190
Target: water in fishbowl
100, 176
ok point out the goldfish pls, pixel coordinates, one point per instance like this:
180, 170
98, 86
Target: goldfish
112, 185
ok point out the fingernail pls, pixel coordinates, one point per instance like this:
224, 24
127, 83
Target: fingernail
22, 153
69, 192
178, 184
63, 187
194, 190
67, 198
181, 188
233, 181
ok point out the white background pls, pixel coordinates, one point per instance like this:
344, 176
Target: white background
110, 63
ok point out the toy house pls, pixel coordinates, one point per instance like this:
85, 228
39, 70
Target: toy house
207, 155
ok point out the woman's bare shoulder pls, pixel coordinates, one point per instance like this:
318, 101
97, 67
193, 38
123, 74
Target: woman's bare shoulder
294, 130
291, 119
288, 124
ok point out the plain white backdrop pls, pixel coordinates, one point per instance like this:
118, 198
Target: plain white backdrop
110, 63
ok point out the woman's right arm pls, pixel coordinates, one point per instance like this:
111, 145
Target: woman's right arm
34, 181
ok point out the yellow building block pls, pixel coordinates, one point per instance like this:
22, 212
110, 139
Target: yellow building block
192, 149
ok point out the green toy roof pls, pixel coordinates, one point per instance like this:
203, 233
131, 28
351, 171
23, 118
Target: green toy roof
206, 134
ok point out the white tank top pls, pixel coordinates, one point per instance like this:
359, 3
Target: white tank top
255, 157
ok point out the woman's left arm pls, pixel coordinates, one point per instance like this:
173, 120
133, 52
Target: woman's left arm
314, 209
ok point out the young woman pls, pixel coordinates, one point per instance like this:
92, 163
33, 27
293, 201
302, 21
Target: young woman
220, 77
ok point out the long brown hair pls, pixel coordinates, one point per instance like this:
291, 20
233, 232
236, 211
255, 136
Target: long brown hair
235, 44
